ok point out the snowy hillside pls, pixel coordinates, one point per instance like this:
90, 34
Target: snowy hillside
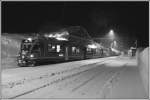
10, 44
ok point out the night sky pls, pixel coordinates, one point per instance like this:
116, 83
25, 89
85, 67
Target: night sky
127, 19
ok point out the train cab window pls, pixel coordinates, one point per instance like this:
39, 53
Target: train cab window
51, 48
26, 46
36, 48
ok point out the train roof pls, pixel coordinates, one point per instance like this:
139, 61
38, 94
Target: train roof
74, 34
77, 31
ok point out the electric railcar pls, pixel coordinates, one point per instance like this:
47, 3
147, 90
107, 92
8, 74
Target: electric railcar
61, 46
42, 49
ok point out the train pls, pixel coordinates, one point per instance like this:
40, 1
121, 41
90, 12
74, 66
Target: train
57, 46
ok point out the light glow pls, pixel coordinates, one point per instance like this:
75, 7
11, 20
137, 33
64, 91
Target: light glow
30, 39
31, 55
59, 36
62, 39
61, 55
115, 50
111, 33
92, 46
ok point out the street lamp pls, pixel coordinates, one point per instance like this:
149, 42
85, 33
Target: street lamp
110, 37
111, 34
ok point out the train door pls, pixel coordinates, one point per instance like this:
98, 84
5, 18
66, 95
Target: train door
84, 52
42, 49
66, 53
45, 48
76, 52
60, 50
39, 48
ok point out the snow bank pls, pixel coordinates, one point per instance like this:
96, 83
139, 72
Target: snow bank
144, 66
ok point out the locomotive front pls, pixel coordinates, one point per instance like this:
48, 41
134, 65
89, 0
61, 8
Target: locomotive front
26, 58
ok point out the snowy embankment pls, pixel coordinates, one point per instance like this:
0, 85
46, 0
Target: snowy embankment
10, 45
20, 81
144, 67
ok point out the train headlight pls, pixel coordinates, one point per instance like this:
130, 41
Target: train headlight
31, 55
23, 56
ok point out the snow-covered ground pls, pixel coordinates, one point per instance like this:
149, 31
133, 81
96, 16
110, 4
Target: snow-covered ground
143, 63
112, 77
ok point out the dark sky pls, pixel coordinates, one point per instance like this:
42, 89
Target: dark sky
128, 19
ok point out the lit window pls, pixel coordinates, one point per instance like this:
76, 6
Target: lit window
53, 47
58, 48
73, 49
77, 51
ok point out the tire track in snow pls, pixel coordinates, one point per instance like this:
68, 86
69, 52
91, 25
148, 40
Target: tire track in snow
59, 79
108, 86
86, 82
47, 75
59, 87
91, 89
98, 72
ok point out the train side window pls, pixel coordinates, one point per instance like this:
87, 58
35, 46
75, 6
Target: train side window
89, 49
58, 48
77, 50
97, 51
51, 48
73, 49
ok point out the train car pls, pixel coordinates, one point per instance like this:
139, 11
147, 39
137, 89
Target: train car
56, 47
